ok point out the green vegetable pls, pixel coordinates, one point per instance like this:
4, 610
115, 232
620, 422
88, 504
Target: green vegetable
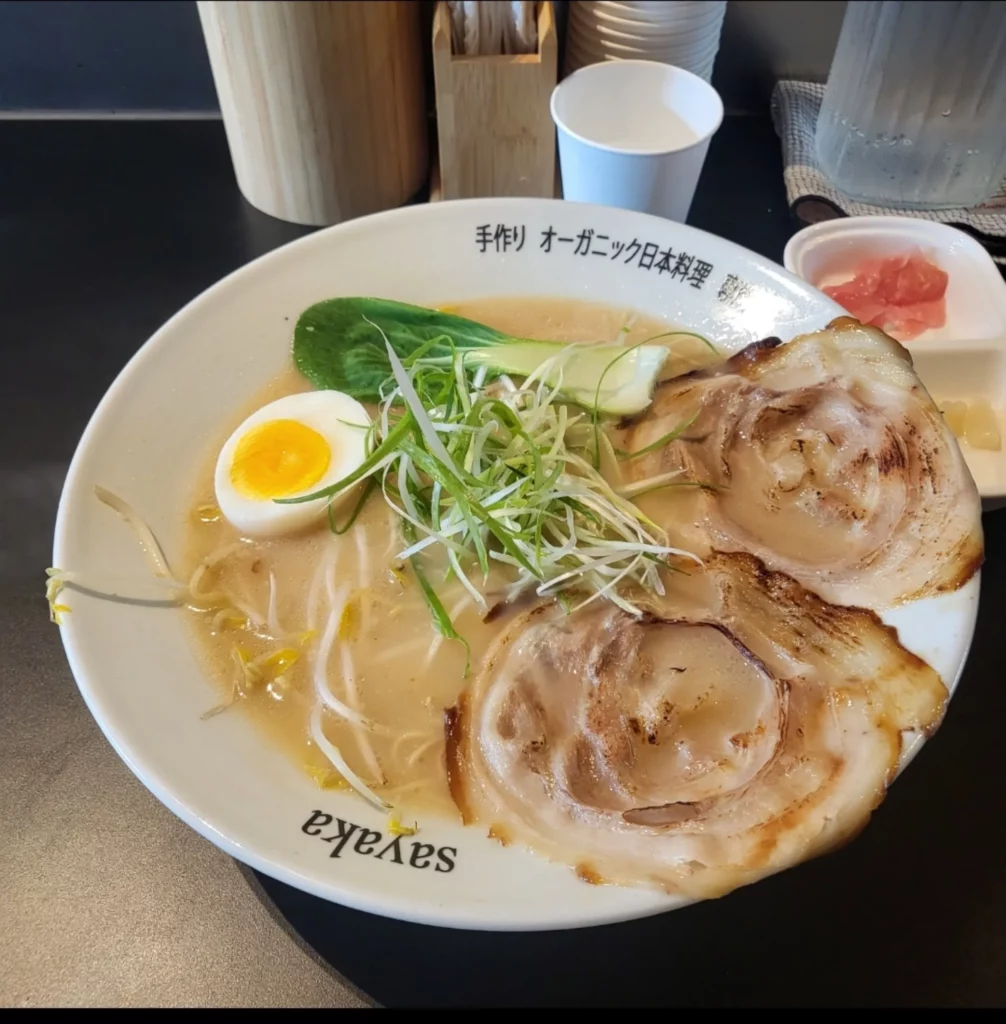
660, 442
504, 475
340, 344
441, 620
357, 509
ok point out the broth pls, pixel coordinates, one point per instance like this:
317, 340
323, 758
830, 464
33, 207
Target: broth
387, 661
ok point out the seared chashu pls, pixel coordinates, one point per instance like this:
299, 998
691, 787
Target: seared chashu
738, 728
826, 458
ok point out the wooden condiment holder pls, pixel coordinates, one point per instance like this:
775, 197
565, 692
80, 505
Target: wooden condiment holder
495, 128
322, 103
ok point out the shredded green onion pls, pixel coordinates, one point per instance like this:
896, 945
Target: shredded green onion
441, 620
506, 474
357, 509
671, 435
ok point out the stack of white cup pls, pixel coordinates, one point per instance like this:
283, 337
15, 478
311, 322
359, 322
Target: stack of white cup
685, 34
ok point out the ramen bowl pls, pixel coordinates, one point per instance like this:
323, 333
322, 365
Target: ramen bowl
134, 659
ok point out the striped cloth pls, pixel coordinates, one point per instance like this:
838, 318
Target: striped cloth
812, 197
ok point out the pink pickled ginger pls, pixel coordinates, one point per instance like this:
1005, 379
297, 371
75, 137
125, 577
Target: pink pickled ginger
902, 295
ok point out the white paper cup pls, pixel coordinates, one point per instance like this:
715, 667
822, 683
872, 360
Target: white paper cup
634, 134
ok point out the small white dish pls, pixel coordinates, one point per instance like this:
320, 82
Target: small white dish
690, 33
137, 666
667, 54
658, 16
683, 35
963, 360
670, 53
613, 51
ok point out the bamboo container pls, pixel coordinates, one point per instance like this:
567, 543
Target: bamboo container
322, 103
495, 129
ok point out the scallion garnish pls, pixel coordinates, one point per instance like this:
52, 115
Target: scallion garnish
506, 474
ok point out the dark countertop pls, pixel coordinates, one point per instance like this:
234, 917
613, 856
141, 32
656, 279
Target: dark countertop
106, 229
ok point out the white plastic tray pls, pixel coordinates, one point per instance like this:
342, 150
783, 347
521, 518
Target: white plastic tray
966, 358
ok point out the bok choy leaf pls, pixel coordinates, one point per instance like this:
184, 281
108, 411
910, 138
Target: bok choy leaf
342, 344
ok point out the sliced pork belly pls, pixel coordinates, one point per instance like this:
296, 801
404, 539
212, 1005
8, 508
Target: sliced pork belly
826, 458
743, 726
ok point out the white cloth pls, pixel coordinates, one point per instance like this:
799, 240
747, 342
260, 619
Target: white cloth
812, 197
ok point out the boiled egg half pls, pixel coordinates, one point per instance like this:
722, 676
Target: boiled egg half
288, 448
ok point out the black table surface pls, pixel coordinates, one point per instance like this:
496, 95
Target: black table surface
107, 228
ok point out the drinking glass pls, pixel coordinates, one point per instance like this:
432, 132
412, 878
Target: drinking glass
914, 114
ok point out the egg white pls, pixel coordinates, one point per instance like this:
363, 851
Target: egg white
330, 413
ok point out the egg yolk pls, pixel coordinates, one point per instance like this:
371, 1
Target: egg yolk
278, 459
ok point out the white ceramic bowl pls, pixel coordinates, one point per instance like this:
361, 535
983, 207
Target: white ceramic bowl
603, 51
703, 69
654, 14
670, 49
964, 359
646, 30
684, 33
136, 665
592, 52
667, 53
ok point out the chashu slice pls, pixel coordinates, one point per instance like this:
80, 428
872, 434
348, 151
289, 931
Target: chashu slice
828, 461
744, 726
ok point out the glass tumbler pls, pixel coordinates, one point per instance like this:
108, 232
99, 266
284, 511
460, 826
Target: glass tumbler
914, 114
